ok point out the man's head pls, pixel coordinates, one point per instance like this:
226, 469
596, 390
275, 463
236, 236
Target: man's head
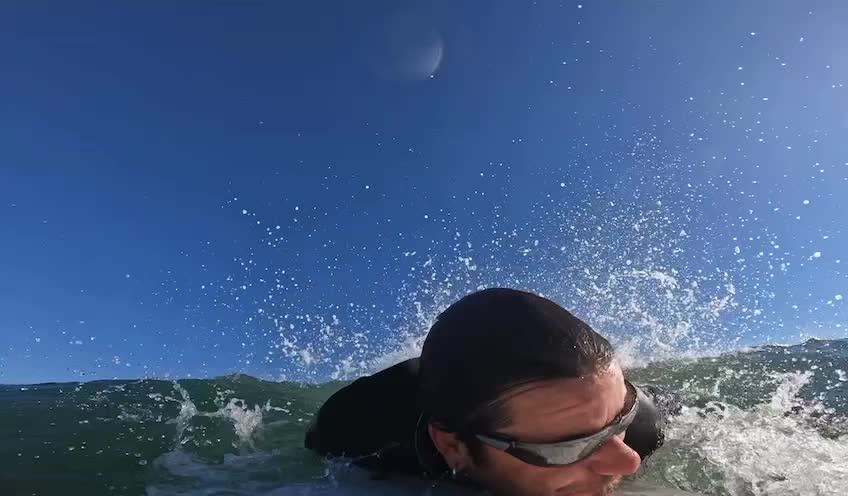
515, 367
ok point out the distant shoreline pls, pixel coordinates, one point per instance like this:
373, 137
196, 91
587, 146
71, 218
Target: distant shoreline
808, 342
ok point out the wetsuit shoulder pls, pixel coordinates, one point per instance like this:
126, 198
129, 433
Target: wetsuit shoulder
372, 420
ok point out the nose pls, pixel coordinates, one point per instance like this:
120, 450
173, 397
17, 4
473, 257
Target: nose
614, 458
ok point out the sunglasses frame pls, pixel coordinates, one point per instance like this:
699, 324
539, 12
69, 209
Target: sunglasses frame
565, 452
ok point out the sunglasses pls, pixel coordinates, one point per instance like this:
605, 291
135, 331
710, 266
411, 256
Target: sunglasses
572, 451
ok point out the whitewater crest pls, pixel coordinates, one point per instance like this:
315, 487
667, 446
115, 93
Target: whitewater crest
773, 449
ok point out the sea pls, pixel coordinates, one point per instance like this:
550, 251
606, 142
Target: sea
768, 421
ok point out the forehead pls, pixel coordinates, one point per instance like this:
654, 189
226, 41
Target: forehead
555, 410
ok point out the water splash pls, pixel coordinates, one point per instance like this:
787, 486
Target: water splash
643, 259
245, 420
770, 450
187, 411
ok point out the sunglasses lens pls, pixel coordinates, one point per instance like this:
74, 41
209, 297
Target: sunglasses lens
570, 452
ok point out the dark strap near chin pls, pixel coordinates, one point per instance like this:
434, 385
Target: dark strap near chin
647, 432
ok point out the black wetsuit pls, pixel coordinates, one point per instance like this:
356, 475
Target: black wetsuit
377, 422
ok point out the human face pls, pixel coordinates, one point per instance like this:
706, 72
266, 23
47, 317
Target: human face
547, 412
567, 451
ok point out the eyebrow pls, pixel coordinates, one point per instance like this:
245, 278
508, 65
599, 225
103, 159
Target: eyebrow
631, 392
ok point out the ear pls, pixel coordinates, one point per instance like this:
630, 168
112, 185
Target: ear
454, 451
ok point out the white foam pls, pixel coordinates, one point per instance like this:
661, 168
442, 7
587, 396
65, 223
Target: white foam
770, 450
246, 421
187, 411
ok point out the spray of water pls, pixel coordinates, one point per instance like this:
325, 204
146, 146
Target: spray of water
645, 259
772, 449
649, 260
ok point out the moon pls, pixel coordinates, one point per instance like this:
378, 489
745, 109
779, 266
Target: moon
408, 49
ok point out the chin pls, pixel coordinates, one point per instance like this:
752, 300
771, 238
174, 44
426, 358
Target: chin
605, 489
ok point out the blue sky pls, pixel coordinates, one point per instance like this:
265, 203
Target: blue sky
288, 189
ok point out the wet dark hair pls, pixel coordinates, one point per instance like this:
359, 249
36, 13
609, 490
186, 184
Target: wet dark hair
492, 341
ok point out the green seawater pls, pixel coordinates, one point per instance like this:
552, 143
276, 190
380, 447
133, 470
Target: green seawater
238, 435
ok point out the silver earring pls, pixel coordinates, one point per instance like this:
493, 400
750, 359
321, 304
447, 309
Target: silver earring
453, 473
